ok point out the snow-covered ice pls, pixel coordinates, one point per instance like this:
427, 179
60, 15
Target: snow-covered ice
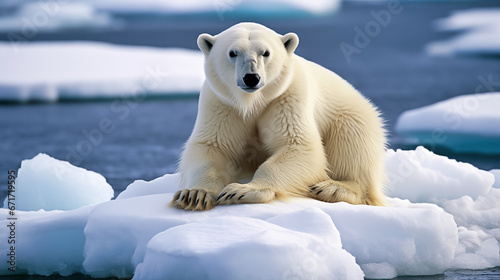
137, 235
50, 184
277, 248
92, 70
467, 123
480, 33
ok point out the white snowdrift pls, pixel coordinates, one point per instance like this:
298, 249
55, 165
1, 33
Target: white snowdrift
138, 236
480, 33
467, 123
91, 70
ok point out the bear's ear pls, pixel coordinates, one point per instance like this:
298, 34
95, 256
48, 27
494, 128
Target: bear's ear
205, 42
290, 41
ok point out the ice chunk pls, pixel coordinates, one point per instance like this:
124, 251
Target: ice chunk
477, 250
247, 248
50, 184
483, 211
91, 70
466, 123
422, 176
480, 33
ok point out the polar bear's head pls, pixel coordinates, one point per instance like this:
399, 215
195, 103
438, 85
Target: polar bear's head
247, 63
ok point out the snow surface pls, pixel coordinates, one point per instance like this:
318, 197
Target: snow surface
50, 184
91, 70
480, 33
137, 235
467, 123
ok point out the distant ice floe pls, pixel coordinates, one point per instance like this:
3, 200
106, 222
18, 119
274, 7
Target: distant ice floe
52, 71
29, 18
235, 7
463, 124
443, 215
480, 33
32, 16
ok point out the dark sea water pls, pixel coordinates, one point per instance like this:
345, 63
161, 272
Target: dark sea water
392, 70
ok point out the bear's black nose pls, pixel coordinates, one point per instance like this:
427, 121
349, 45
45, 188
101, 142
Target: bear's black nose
251, 80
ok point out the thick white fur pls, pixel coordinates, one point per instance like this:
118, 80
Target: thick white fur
304, 131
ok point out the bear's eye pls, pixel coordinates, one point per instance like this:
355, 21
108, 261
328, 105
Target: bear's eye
266, 54
232, 54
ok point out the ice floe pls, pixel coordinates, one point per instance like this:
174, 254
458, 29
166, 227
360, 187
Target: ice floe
433, 224
480, 33
464, 124
52, 71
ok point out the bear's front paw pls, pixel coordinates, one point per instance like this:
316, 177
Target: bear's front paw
244, 193
195, 199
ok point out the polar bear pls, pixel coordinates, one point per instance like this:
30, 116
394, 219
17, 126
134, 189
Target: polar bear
297, 128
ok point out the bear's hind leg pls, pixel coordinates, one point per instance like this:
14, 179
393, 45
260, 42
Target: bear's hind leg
337, 191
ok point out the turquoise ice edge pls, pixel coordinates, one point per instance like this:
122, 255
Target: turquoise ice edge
456, 142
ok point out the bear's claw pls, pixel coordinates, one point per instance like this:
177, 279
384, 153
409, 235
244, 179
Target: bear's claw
221, 195
195, 199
